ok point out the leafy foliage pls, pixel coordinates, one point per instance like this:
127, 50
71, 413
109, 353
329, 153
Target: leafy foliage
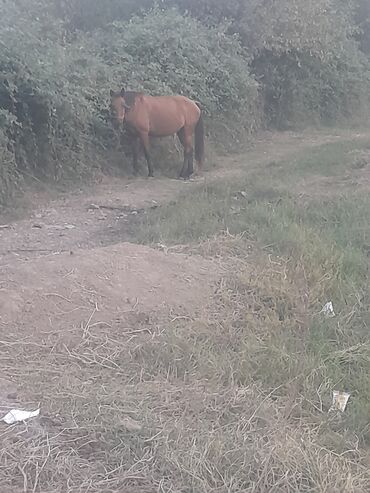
89, 15
362, 18
58, 60
304, 54
307, 60
46, 124
165, 52
55, 84
322, 28
8, 170
299, 88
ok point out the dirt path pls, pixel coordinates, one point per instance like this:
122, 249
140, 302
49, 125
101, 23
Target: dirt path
68, 256
81, 313
99, 217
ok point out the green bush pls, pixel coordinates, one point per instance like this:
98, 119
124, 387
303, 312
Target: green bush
300, 89
166, 52
54, 86
303, 52
306, 58
362, 18
89, 15
58, 61
45, 124
9, 177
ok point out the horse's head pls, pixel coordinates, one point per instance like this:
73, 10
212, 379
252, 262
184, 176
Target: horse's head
118, 107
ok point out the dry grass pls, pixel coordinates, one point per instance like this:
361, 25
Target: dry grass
100, 433
233, 399
179, 404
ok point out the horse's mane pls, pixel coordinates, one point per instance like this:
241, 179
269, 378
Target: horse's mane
131, 96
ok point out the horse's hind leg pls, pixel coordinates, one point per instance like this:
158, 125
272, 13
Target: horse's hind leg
181, 137
190, 162
185, 138
145, 141
189, 152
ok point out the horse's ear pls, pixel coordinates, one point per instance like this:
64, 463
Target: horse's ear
111, 93
123, 91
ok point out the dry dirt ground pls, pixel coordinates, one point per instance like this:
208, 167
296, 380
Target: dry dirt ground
66, 265
69, 254
98, 216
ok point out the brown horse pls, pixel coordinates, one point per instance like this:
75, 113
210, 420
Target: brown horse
160, 116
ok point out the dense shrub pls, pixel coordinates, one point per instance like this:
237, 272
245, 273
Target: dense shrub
165, 52
301, 89
362, 19
307, 60
88, 15
9, 176
54, 86
45, 123
304, 53
59, 59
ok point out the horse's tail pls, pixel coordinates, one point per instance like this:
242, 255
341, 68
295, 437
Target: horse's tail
199, 141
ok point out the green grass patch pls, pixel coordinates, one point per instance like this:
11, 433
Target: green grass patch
278, 337
329, 159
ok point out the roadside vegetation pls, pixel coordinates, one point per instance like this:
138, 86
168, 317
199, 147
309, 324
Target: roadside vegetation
249, 63
292, 236
234, 397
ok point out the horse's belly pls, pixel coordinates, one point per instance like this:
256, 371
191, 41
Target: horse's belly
166, 117
163, 128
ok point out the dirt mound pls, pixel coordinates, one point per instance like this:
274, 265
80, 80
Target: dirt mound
100, 285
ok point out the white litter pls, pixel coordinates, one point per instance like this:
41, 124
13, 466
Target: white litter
340, 400
328, 310
16, 415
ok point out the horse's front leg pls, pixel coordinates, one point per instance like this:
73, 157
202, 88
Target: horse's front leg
144, 137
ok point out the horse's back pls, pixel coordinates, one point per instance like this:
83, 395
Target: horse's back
179, 104
168, 114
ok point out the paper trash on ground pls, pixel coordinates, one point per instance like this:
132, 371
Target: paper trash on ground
16, 415
340, 400
328, 310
